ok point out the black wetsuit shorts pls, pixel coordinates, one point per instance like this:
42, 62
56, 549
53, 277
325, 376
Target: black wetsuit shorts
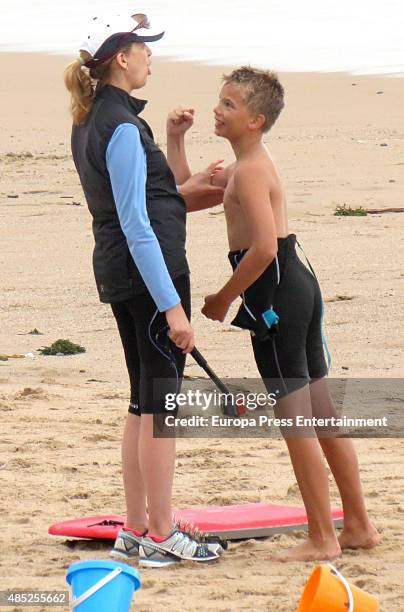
289, 354
155, 365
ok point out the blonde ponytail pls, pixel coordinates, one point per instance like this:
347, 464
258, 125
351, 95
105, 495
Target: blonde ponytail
83, 83
79, 82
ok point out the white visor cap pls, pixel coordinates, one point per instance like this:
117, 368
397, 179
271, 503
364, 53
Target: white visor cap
104, 33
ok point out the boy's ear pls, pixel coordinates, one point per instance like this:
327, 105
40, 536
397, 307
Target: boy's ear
258, 122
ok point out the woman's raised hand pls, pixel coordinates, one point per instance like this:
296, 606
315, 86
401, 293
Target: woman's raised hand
179, 121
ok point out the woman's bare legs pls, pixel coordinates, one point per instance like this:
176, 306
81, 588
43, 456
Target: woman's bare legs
135, 493
157, 465
148, 471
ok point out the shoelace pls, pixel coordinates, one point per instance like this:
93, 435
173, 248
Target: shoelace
190, 530
196, 534
185, 542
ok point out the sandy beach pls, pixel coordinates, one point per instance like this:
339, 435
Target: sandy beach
339, 141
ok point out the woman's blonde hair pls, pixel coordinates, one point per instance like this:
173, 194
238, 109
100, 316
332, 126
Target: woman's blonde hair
83, 83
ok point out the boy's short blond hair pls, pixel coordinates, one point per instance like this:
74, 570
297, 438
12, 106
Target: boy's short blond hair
263, 92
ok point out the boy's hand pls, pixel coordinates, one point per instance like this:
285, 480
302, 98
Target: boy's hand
215, 307
179, 121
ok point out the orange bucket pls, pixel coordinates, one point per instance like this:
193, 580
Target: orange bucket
328, 591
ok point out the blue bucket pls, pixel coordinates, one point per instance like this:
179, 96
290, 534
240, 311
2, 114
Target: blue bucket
102, 586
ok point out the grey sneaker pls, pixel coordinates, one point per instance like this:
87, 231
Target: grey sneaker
126, 545
177, 547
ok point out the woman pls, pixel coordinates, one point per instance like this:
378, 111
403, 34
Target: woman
140, 268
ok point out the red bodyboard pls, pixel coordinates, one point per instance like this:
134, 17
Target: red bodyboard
233, 522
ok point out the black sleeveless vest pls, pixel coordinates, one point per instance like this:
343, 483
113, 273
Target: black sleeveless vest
116, 274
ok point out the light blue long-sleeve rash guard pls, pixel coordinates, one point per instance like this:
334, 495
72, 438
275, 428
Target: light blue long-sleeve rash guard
127, 167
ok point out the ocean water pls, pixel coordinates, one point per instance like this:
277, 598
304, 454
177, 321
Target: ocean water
361, 36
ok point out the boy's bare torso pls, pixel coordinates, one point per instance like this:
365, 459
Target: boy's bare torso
237, 225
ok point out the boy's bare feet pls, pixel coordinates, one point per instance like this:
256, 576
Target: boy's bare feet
310, 551
359, 538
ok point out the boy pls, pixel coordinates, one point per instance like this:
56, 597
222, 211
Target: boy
281, 305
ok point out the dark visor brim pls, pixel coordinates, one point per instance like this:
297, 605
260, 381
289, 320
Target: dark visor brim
151, 38
114, 42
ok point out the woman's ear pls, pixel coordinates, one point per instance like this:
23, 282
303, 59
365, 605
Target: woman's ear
122, 60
